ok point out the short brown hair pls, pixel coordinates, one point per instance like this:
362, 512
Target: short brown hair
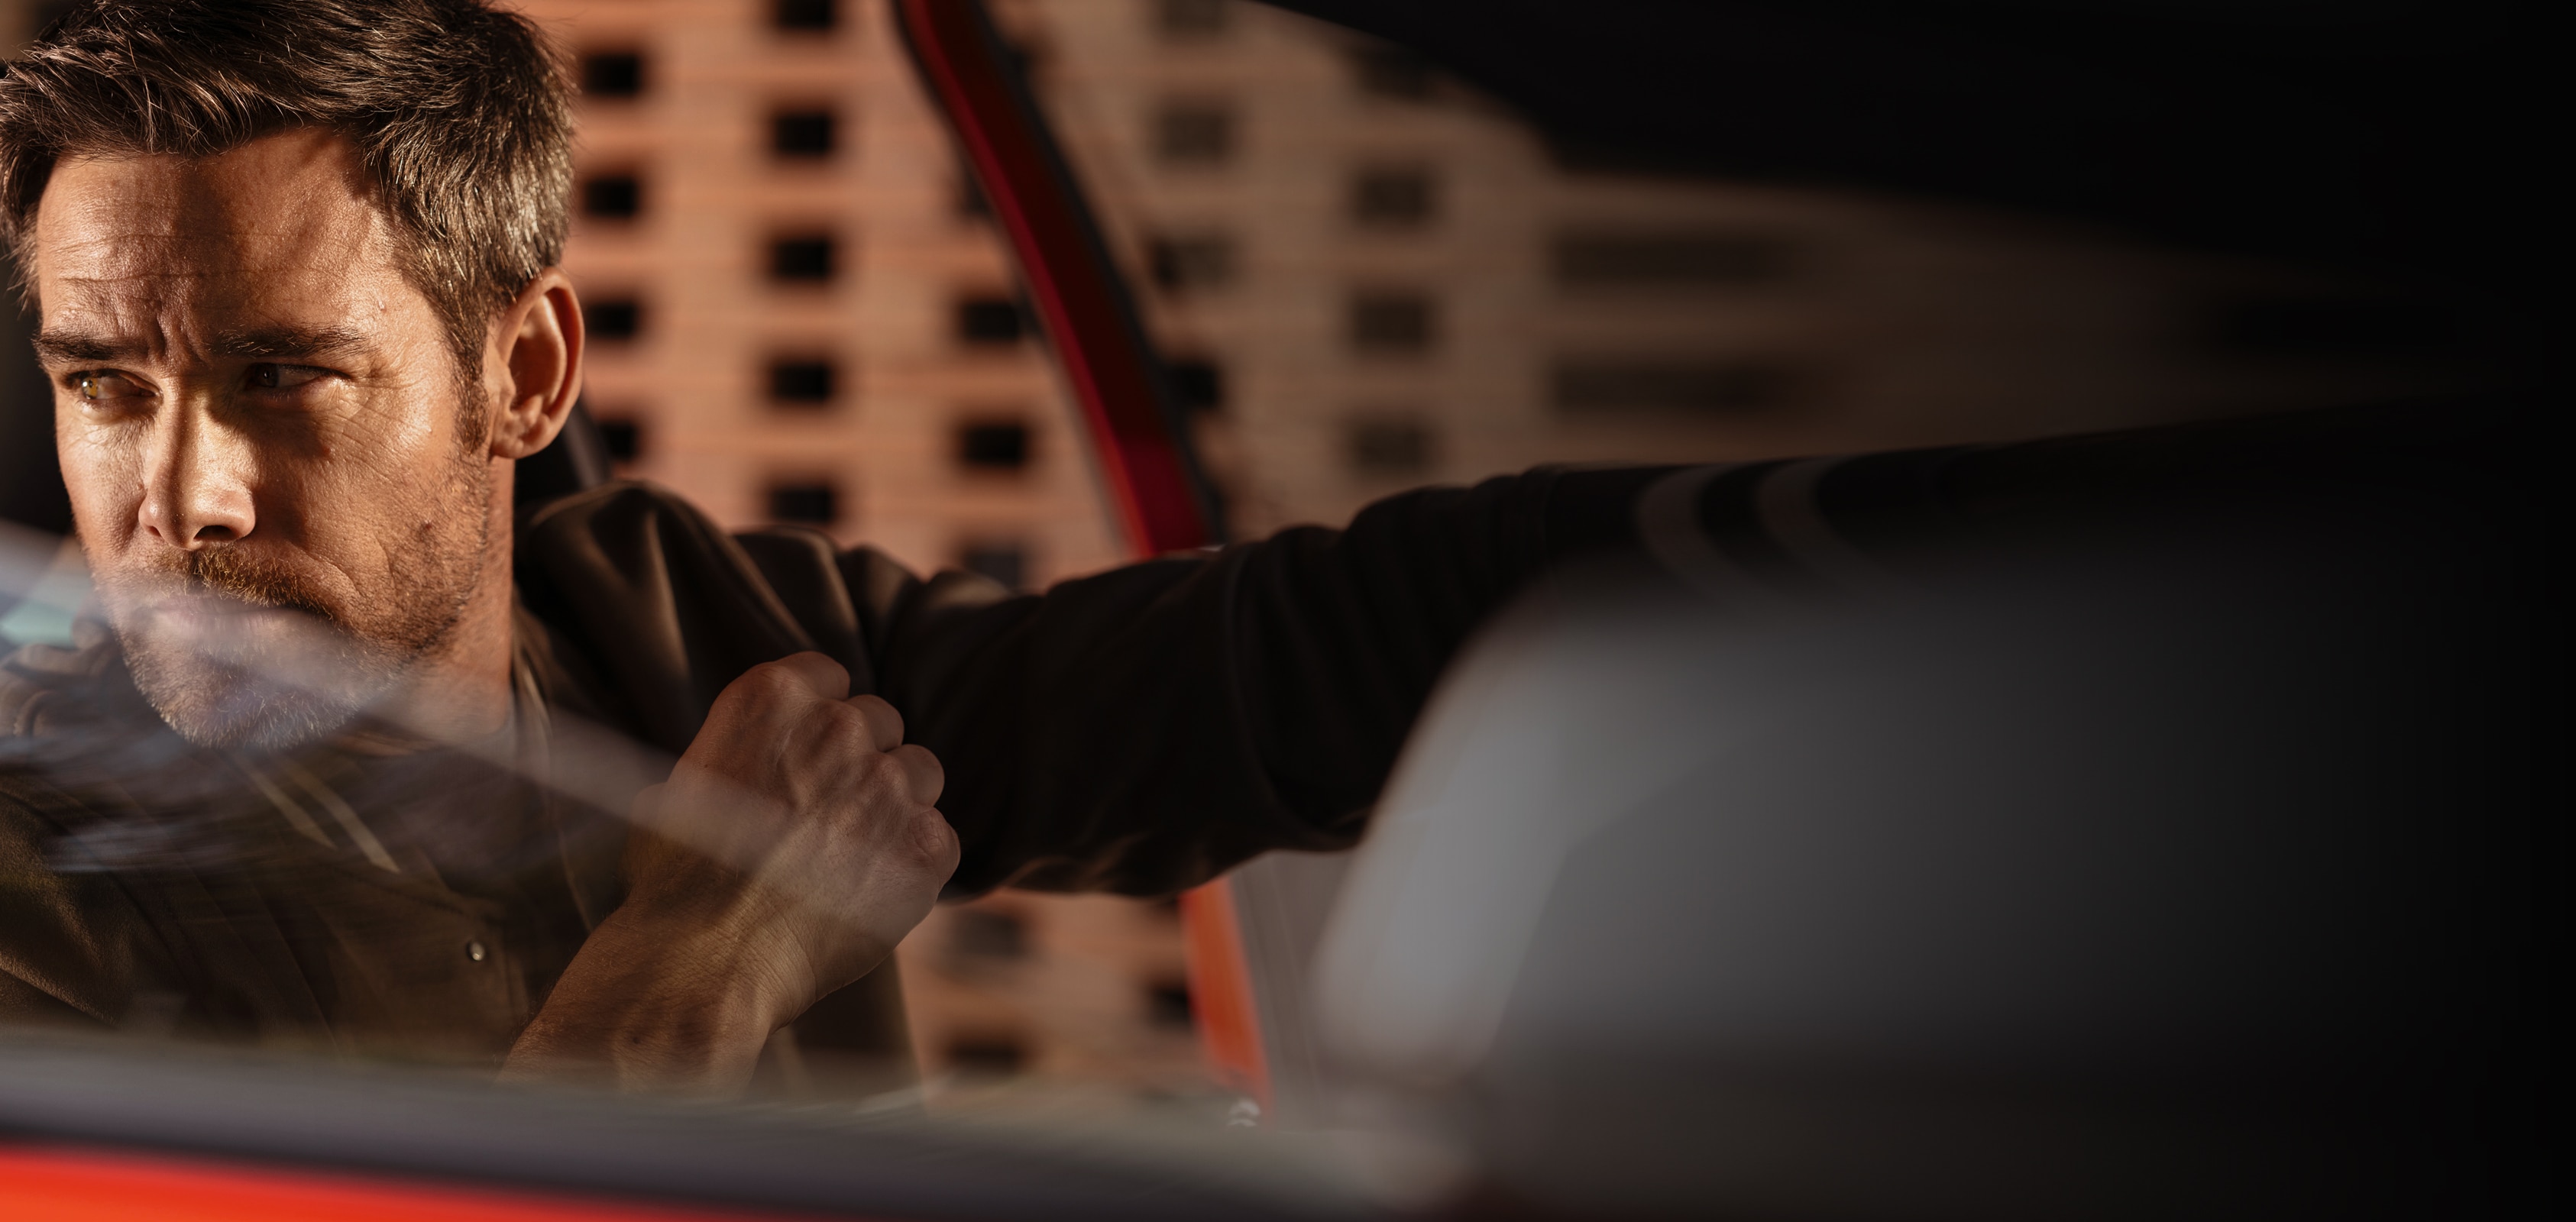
461, 115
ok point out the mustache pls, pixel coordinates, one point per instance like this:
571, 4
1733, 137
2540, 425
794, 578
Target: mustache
240, 576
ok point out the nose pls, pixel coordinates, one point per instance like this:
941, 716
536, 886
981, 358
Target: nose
197, 482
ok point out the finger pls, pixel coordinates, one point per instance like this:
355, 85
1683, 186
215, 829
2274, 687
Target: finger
773, 696
938, 844
818, 672
885, 725
923, 778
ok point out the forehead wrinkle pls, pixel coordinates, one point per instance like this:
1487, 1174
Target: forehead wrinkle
316, 307
288, 339
318, 254
72, 344
249, 213
154, 330
297, 172
101, 324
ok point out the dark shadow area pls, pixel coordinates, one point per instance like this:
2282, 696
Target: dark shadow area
31, 482
2399, 138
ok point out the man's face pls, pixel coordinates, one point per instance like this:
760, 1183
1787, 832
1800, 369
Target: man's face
258, 418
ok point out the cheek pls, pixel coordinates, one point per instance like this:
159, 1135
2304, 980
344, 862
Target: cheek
420, 425
390, 472
102, 470
385, 442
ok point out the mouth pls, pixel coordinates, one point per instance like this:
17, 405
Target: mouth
206, 618
205, 607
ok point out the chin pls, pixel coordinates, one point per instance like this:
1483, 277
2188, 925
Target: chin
254, 685
217, 706
278, 723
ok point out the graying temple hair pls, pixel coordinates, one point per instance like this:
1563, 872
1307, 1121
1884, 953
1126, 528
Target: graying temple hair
461, 115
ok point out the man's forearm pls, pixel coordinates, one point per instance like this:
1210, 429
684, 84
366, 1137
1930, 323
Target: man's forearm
794, 845
657, 1002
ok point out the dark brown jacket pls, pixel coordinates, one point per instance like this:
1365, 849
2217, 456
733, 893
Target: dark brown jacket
1139, 731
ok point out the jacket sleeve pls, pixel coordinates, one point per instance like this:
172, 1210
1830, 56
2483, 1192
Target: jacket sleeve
66, 939
1143, 730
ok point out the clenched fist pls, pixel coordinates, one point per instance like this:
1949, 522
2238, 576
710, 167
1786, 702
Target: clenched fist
794, 845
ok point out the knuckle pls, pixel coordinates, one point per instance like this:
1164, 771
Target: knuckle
817, 674
921, 772
871, 769
877, 711
918, 758
817, 661
934, 842
769, 680
840, 721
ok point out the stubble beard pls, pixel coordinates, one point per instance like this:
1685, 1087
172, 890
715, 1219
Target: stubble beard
237, 650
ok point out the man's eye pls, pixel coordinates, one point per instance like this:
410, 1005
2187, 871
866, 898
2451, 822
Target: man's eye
102, 386
283, 377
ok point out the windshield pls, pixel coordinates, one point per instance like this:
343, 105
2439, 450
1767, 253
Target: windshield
836, 427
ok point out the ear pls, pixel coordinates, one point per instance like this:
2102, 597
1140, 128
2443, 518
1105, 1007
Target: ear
532, 365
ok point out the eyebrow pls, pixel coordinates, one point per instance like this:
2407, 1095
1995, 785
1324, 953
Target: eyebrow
262, 342
77, 346
256, 343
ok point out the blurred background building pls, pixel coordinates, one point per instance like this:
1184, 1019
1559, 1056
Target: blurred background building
1369, 277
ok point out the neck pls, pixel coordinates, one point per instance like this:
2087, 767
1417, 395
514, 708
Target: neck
460, 690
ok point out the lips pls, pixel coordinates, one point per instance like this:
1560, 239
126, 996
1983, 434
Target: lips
212, 622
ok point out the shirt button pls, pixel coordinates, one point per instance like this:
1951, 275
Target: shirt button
475, 952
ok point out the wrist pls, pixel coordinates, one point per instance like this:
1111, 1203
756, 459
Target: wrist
666, 996
728, 958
